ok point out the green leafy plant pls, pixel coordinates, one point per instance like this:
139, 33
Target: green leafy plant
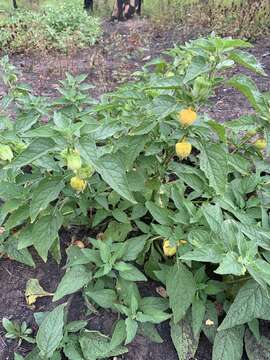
53, 28
165, 192
55, 336
17, 332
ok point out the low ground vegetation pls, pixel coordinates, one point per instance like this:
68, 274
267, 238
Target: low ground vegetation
62, 28
46, 25
163, 192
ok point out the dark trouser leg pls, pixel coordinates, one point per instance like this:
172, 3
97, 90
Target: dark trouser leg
88, 5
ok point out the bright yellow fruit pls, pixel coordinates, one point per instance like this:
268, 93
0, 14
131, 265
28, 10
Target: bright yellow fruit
260, 144
187, 117
168, 249
183, 149
78, 184
171, 250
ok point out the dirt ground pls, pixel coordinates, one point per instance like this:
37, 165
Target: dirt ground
124, 48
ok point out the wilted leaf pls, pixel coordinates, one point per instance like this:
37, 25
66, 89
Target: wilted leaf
34, 291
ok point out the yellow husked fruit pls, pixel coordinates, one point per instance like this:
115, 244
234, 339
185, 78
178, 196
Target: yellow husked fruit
260, 144
6, 153
74, 161
85, 172
78, 184
168, 249
187, 117
183, 149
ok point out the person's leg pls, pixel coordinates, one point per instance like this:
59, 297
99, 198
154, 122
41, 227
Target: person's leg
88, 5
129, 9
139, 6
117, 10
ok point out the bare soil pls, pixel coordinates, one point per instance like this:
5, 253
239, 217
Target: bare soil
124, 48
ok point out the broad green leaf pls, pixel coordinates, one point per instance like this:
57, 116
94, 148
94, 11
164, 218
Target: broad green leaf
207, 253
161, 215
8, 325
163, 105
131, 147
219, 129
129, 272
210, 323
134, 246
256, 234
34, 355
257, 350
184, 341
198, 313
45, 131
227, 44
214, 217
22, 255
120, 216
95, 345
228, 344
231, 265
197, 67
109, 167
154, 317
149, 330
76, 325
251, 302
131, 329
254, 327
11, 191
34, 151
46, 191
150, 304
50, 332
247, 60
180, 296
243, 123
239, 163
191, 176
17, 217
249, 89
73, 280
45, 232
72, 349
103, 297
25, 122
119, 334
214, 163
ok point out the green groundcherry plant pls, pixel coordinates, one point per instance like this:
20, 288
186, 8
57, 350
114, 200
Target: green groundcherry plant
165, 193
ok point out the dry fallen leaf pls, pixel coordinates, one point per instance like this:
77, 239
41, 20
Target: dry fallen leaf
161, 291
209, 322
34, 291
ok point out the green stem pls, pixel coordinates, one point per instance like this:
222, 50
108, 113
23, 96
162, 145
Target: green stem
235, 281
